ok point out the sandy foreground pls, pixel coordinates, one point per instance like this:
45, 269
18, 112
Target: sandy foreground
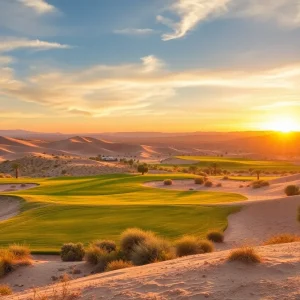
208, 276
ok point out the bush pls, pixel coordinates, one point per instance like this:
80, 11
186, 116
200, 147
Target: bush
168, 182
190, 245
5, 290
106, 245
100, 258
132, 237
72, 252
19, 251
208, 183
225, 178
245, 255
292, 190
199, 180
153, 249
282, 239
117, 265
259, 184
215, 236
219, 185
7, 262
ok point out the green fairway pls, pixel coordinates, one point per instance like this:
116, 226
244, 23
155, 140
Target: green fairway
82, 209
241, 163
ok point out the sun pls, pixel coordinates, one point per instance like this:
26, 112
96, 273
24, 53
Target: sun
282, 124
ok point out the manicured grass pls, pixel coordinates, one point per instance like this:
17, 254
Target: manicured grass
83, 209
241, 163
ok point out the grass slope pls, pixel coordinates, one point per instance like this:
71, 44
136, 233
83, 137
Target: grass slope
82, 209
241, 163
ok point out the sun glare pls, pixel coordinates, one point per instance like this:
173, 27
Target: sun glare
283, 124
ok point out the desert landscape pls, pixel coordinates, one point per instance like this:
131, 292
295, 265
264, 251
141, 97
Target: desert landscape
149, 150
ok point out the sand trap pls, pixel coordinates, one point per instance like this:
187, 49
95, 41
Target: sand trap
16, 187
198, 277
45, 270
9, 207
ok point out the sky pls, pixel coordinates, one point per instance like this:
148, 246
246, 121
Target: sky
149, 65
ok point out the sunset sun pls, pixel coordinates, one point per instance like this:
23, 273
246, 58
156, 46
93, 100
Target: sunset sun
282, 124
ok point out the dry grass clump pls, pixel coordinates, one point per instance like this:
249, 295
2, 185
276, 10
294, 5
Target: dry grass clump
106, 245
282, 239
215, 236
117, 265
245, 255
208, 183
153, 249
168, 182
190, 245
13, 257
132, 237
259, 184
72, 252
199, 180
292, 190
5, 290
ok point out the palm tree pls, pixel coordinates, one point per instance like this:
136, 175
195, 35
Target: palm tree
16, 167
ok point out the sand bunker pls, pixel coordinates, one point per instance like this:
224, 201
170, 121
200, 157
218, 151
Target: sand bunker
16, 187
9, 207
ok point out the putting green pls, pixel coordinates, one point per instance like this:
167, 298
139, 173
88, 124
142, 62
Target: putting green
73, 209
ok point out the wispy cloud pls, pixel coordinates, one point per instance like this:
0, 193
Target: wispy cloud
129, 89
190, 12
40, 6
10, 43
193, 12
134, 31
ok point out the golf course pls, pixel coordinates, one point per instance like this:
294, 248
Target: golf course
82, 209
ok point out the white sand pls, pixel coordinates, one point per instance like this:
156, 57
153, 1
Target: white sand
198, 277
9, 207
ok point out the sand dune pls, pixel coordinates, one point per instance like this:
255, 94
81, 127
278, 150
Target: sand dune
198, 277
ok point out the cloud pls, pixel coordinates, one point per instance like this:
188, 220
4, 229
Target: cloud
191, 13
8, 44
39, 6
134, 31
149, 85
6, 60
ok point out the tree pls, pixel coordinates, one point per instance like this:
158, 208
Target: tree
257, 172
16, 168
143, 169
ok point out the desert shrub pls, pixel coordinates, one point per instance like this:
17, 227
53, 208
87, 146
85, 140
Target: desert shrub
168, 182
7, 262
219, 184
23, 185
199, 180
153, 249
225, 178
259, 184
72, 252
245, 255
5, 290
117, 265
208, 183
190, 245
99, 257
215, 236
106, 245
282, 239
203, 174
292, 190
131, 237
19, 251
